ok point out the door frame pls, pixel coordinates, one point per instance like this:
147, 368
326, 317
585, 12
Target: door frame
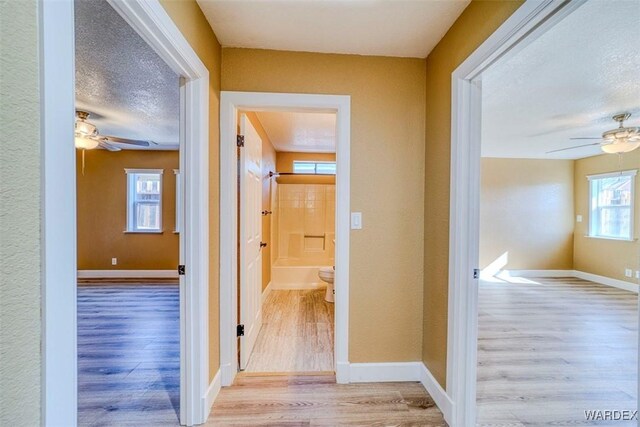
230, 103
59, 265
531, 20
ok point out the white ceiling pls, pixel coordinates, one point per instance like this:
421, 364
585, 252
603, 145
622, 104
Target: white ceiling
300, 132
567, 83
129, 91
406, 28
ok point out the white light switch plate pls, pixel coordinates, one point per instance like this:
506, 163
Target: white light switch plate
628, 272
579, 218
114, 261
356, 220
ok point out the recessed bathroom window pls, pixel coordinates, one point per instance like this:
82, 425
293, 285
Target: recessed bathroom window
314, 168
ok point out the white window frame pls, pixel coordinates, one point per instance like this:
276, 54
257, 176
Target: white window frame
591, 178
131, 222
315, 163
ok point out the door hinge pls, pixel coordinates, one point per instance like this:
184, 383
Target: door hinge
240, 141
181, 270
240, 330
476, 273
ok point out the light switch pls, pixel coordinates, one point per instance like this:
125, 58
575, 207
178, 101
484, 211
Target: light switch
579, 218
356, 220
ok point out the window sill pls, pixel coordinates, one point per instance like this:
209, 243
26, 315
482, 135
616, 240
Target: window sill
142, 232
611, 238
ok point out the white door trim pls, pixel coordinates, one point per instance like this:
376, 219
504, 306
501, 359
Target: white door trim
154, 25
531, 20
230, 103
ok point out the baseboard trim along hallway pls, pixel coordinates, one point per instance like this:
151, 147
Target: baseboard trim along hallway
403, 372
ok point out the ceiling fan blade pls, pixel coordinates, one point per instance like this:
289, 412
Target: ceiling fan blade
595, 137
119, 140
573, 148
109, 147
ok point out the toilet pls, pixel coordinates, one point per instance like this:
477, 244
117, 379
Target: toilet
326, 275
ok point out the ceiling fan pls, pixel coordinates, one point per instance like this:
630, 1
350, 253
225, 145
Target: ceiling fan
615, 141
87, 136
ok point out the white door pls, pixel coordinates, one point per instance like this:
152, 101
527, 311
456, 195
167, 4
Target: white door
250, 238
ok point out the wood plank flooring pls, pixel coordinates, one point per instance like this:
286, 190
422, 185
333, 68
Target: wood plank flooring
296, 335
318, 401
128, 355
550, 349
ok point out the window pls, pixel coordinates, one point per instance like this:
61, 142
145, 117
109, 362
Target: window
317, 168
144, 200
611, 205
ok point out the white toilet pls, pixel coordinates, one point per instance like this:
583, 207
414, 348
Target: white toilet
326, 275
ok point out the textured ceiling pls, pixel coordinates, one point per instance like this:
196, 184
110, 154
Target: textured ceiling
300, 132
129, 90
407, 28
567, 83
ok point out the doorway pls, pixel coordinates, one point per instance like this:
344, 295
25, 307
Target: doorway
231, 104
287, 178
527, 24
151, 22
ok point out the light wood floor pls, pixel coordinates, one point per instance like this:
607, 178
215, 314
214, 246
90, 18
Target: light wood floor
318, 401
550, 350
296, 334
128, 355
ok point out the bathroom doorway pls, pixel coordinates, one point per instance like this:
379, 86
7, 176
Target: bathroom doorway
286, 213
293, 221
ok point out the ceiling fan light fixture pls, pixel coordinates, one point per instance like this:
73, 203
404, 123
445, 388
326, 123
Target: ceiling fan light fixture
620, 146
85, 143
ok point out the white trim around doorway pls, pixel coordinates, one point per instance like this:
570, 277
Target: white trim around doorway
527, 23
59, 275
230, 103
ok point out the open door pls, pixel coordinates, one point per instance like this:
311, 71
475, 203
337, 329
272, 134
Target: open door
250, 238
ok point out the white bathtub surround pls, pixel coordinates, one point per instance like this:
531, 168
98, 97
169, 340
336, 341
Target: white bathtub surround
296, 277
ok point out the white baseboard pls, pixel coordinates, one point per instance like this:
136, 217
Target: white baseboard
536, 273
227, 374
620, 284
266, 292
292, 286
342, 373
127, 274
401, 372
212, 393
437, 393
384, 372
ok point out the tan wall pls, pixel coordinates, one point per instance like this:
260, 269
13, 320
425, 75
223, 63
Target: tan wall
526, 211
189, 18
285, 164
387, 169
102, 212
604, 257
268, 187
478, 21
20, 202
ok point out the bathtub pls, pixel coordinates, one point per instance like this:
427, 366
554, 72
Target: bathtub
288, 274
